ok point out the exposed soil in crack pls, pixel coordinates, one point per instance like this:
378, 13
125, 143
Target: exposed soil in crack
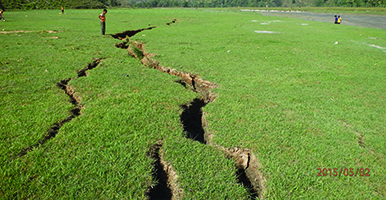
194, 81
74, 100
243, 179
90, 66
248, 170
193, 118
20, 31
163, 175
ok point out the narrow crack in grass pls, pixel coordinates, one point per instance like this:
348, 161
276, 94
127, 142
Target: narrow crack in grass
193, 119
172, 22
90, 66
247, 170
74, 100
159, 189
164, 177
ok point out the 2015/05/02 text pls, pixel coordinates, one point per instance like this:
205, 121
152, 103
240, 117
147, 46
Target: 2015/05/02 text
344, 172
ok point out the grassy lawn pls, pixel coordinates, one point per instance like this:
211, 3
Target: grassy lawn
311, 95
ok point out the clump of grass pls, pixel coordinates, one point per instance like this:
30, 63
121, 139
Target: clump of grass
137, 52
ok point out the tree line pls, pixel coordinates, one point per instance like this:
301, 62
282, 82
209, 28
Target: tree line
50, 4
90, 4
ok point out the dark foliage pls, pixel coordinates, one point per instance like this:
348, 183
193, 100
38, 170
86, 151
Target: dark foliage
90, 4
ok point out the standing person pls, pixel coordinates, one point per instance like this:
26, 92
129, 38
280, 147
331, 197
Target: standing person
336, 19
339, 19
62, 9
1, 15
102, 17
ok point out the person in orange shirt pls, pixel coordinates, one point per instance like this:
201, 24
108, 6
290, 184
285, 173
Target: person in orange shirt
102, 17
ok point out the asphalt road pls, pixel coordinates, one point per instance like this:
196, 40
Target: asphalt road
363, 20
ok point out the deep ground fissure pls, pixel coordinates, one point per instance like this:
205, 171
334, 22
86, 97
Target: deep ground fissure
192, 117
161, 189
129, 33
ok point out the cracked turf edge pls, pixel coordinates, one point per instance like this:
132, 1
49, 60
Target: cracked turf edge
74, 100
245, 160
164, 176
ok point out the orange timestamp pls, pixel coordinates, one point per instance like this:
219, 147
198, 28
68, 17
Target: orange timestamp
343, 171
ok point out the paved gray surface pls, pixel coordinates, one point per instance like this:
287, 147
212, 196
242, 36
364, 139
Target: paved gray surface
363, 20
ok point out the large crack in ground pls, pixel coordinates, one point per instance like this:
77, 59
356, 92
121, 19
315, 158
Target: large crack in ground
193, 118
160, 190
130, 33
164, 177
74, 100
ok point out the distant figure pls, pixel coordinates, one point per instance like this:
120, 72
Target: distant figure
1, 15
339, 20
102, 17
336, 19
62, 9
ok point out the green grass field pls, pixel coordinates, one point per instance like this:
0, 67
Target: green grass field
311, 95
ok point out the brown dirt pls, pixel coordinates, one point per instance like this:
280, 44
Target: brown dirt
248, 162
8, 32
71, 93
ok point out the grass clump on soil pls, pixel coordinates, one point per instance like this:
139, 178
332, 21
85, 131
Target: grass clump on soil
137, 52
294, 99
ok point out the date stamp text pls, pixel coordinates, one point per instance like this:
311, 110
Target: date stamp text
343, 172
